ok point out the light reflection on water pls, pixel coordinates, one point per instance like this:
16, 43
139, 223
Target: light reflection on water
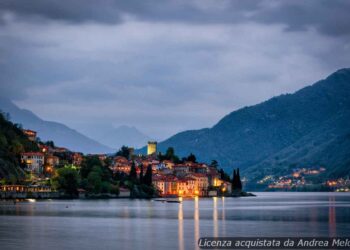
144, 224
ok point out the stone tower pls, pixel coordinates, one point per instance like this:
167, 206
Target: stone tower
151, 147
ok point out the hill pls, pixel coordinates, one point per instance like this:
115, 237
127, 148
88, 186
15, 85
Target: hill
12, 143
62, 135
311, 126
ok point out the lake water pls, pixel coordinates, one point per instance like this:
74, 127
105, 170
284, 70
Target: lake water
143, 224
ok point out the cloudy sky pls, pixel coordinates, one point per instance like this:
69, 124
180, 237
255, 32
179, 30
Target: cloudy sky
164, 66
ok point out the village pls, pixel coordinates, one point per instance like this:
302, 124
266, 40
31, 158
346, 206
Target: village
171, 177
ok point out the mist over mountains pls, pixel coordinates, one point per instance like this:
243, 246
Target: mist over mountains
309, 127
59, 133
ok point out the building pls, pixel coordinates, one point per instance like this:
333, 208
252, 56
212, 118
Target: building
77, 159
201, 184
186, 187
51, 162
30, 134
121, 164
34, 161
166, 184
181, 170
152, 148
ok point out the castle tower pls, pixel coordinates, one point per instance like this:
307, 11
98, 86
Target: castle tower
151, 147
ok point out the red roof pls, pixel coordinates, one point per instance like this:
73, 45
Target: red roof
33, 154
199, 175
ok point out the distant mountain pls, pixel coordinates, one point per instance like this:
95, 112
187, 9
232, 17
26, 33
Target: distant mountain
309, 127
62, 135
117, 137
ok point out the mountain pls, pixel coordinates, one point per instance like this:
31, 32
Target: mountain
309, 127
117, 137
62, 135
12, 142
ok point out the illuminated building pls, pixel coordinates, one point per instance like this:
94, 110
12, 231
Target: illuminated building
201, 183
34, 161
77, 159
30, 134
151, 147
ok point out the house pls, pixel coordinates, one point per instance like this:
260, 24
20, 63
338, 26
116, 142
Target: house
51, 160
30, 134
201, 183
77, 159
169, 164
166, 184
186, 187
33, 161
181, 170
121, 164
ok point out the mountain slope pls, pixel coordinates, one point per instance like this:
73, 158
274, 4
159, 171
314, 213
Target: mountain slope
12, 143
252, 136
61, 134
117, 137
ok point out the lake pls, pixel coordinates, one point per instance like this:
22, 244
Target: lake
144, 224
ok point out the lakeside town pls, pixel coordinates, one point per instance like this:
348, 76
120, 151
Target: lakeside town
56, 172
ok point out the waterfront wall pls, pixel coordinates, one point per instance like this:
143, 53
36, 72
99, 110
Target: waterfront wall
29, 195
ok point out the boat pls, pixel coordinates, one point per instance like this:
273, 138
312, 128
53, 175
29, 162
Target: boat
173, 201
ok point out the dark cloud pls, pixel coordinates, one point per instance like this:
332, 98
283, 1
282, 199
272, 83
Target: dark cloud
164, 66
329, 17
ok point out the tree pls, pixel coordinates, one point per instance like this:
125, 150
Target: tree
123, 151
236, 181
141, 174
147, 179
50, 144
88, 164
95, 180
170, 153
239, 183
214, 164
192, 158
224, 176
67, 180
133, 174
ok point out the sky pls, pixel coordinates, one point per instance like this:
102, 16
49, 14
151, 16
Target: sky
164, 66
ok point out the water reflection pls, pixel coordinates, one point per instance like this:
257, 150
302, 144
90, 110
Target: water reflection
332, 217
223, 217
145, 224
181, 227
215, 217
196, 221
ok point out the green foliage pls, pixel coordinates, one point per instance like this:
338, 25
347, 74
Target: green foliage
236, 181
123, 151
89, 162
214, 164
224, 176
147, 179
133, 174
66, 180
169, 155
50, 144
141, 174
192, 158
95, 180
12, 143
